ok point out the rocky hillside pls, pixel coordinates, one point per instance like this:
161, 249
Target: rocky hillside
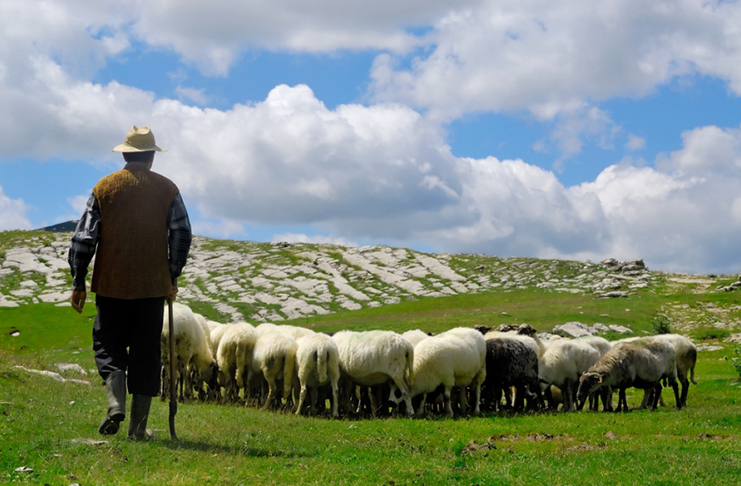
261, 282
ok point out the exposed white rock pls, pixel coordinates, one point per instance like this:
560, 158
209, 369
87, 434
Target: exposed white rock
572, 329
54, 297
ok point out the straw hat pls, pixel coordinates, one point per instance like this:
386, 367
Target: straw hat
138, 140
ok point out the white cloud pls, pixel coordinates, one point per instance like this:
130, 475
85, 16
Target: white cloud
546, 57
197, 96
214, 34
78, 203
318, 239
12, 213
708, 148
221, 228
635, 142
384, 172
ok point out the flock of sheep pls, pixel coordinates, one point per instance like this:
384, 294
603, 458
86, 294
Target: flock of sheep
382, 372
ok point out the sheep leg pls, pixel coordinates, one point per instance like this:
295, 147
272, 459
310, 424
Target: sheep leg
359, 397
288, 393
685, 389
606, 394
301, 399
534, 389
647, 398
346, 385
507, 397
422, 410
312, 404
446, 399
462, 399
373, 396
334, 399
548, 396
682, 377
568, 402
655, 397
271, 392
497, 398
622, 402
403, 386
678, 400
519, 398
477, 406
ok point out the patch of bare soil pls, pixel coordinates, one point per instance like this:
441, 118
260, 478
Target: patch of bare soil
474, 446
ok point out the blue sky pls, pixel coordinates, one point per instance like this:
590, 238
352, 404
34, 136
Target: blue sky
576, 130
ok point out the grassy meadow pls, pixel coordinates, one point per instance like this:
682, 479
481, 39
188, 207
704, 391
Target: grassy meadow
50, 427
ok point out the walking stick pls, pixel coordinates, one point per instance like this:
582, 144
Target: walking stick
173, 386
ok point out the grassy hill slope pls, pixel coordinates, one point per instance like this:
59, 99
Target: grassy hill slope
50, 426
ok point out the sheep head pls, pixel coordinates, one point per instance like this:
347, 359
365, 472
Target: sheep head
588, 383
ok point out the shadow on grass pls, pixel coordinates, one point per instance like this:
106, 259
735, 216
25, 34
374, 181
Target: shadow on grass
204, 446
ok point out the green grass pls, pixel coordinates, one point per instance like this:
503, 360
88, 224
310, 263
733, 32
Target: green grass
542, 309
42, 421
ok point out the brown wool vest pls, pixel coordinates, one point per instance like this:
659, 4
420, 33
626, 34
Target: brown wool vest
131, 261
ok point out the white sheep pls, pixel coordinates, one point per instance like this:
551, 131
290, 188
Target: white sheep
601, 344
217, 332
212, 325
626, 364
415, 336
295, 332
234, 357
666, 353
685, 355
562, 364
372, 358
454, 358
317, 364
274, 359
266, 327
193, 352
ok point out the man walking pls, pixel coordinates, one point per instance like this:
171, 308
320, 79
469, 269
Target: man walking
137, 227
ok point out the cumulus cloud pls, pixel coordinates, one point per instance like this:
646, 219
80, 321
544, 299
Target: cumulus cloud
682, 214
12, 213
384, 172
546, 57
214, 34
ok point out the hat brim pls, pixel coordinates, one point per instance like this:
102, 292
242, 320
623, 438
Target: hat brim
128, 148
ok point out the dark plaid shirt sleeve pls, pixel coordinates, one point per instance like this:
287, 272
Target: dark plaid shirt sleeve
180, 237
84, 242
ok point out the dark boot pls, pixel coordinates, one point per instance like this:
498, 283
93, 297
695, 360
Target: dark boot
115, 386
139, 415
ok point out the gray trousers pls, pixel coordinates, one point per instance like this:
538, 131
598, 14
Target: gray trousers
126, 336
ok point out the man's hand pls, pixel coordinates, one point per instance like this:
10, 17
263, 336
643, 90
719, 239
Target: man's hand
173, 294
78, 300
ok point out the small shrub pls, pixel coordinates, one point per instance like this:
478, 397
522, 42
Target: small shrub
661, 325
736, 360
713, 334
